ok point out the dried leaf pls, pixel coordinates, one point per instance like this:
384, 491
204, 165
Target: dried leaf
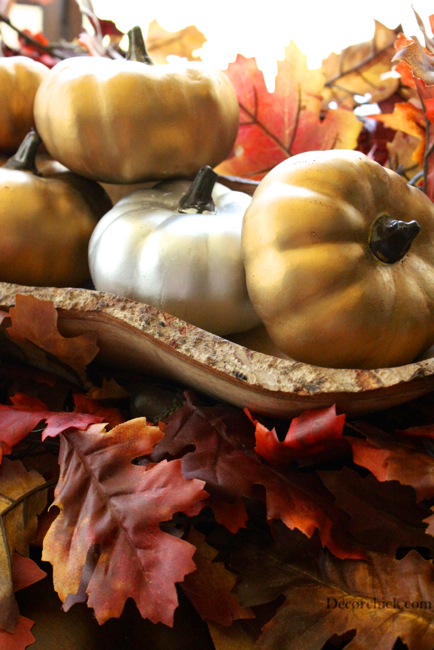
409, 119
418, 59
18, 527
209, 586
232, 638
34, 329
110, 389
275, 126
359, 69
382, 599
109, 414
313, 432
160, 43
106, 544
224, 458
25, 572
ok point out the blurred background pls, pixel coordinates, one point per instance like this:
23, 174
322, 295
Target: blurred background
232, 26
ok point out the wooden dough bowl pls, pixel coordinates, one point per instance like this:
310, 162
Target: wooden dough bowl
141, 338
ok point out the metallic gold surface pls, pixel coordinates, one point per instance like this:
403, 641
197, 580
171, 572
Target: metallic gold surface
322, 295
45, 226
127, 122
186, 264
20, 78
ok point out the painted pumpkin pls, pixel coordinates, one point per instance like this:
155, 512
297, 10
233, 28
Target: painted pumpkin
339, 259
176, 246
45, 221
128, 121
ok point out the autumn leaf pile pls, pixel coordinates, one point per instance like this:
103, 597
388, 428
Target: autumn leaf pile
281, 534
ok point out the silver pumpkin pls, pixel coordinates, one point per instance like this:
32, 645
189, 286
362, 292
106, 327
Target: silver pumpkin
158, 248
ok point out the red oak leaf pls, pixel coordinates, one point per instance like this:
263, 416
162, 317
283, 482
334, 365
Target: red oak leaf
275, 126
223, 456
109, 414
311, 433
106, 544
18, 420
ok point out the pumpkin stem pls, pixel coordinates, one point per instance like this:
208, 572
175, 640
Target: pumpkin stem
24, 158
136, 47
391, 239
199, 197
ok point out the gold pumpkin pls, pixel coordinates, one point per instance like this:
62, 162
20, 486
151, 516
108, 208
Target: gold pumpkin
20, 78
46, 221
128, 121
335, 264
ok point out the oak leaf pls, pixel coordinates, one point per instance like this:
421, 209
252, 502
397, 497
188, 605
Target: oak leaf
398, 458
384, 516
19, 523
160, 43
209, 586
109, 414
34, 329
106, 544
313, 432
362, 68
21, 637
381, 599
18, 420
223, 456
275, 126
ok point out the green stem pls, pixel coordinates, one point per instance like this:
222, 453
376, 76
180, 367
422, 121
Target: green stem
136, 47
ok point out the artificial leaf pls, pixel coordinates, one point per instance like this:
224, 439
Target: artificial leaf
418, 59
401, 154
19, 522
362, 69
381, 600
275, 126
399, 458
18, 420
209, 586
106, 544
160, 43
109, 414
224, 458
313, 432
110, 389
34, 329
25, 572
384, 516
409, 119
233, 638
21, 638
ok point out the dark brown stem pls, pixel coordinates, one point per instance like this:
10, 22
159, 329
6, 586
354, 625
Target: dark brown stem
391, 239
199, 197
24, 159
136, 47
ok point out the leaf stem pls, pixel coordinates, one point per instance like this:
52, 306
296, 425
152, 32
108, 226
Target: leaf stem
31, 40
357, 67
39, 488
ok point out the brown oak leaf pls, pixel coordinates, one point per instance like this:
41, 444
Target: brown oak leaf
381, 599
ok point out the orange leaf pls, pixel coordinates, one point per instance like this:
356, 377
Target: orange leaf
106, 545
109, 414
275, 126
409, 119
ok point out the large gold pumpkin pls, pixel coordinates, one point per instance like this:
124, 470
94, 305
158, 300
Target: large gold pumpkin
317, 272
